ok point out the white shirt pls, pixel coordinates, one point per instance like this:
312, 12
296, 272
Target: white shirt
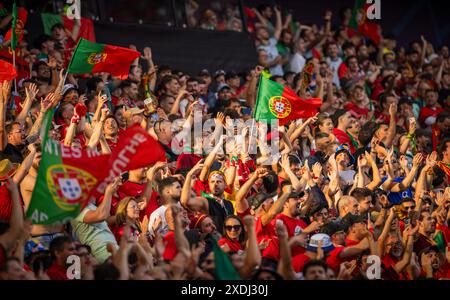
297, 63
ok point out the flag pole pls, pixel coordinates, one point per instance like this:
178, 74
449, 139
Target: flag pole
14, 65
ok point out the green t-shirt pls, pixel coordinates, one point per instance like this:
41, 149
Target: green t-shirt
97, 235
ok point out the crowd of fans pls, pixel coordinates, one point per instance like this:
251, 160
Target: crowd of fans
368, 176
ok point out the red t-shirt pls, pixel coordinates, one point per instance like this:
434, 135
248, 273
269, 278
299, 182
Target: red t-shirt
299, 261
389, 272
268, 234
334, 261
294, 227
57, 272
187, 160
118, 232
171, 247
234, 245
426, 112
5, 203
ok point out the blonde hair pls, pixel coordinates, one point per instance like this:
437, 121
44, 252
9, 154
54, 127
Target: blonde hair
121, 212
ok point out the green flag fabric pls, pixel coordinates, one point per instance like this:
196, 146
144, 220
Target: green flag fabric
224, 267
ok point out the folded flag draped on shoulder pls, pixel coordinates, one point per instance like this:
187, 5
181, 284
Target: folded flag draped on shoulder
86, 27
69, 177
359, 23
90, 57
275, 101
15, 34
7, 71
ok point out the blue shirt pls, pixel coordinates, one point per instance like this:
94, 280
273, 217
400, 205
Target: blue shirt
396, 197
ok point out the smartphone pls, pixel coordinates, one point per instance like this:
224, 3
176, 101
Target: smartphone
124, 176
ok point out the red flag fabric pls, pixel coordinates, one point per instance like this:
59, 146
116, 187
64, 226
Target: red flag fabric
136, 149
22, 15
86, 28
7, 71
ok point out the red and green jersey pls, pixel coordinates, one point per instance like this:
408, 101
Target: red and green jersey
90, 57
275, 101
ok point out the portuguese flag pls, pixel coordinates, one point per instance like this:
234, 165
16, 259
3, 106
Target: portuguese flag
7, 71
15, 34
90, 57
360, 24
275, 101
224, 267
69, 177
65, 179
86, 28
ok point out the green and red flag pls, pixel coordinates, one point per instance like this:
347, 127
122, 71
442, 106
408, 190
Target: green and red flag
15, 34
69, 177
7, 71
275, 101
224, 267
359, 22
86, 27
90, 57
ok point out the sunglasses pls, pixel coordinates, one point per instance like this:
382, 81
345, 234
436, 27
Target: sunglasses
233, 227
409, 207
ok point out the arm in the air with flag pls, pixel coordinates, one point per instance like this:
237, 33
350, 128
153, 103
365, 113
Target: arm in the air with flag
103, 210
193, 203
9, 238
5, 89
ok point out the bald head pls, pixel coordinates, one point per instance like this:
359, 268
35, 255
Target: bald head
348, 204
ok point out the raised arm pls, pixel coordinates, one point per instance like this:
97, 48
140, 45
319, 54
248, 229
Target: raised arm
392, 126
9, 238
5, 89
95, 137
278, 23
241, 203
276, 208
103, 210
210, 159
252, 254
285, 264
407, 181
405, 261
25, 166
31, 93
376, 179
193, 203
384, 234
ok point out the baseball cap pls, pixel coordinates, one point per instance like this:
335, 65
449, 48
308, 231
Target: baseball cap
350, 219
331, 228
344, 148
230, 75
255, 201
327, 245
67, 88
204, 72
223, 86
218, 73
